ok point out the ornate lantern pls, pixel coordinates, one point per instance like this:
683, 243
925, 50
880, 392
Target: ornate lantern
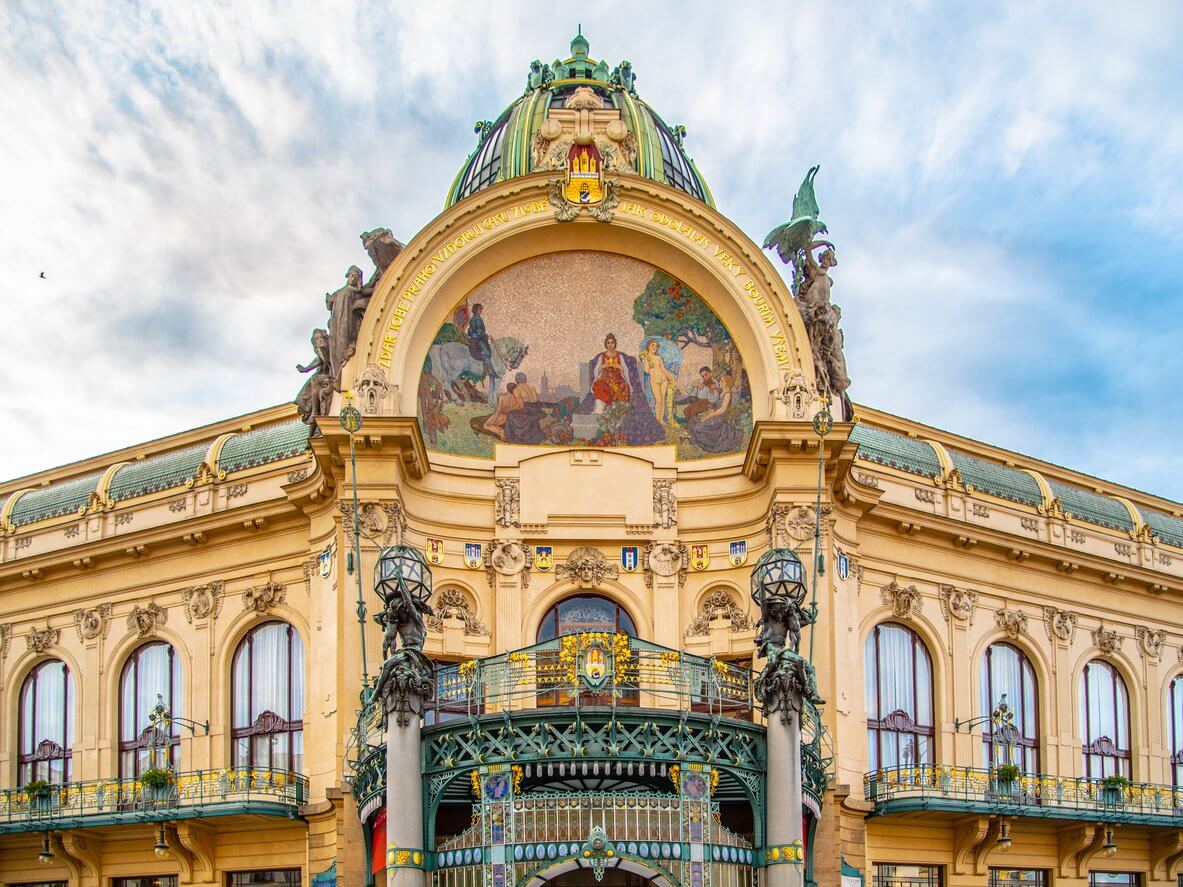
778, 574
402, 564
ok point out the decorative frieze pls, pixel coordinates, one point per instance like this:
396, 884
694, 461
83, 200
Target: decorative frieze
298, 475
905, 602
979, 510
1059, 624
23, 542
719, 604
1150, 642
868, 480
178, 505
1077, 537
1012, 622
507, 502
1107, 640
203, 601
236, 491
72, 531
665, 559
1029, 523
452, 603
144, 621
958, 604
587, 566
665, 504
925, 495
41, 639
264, 598
93, 623
1123, 548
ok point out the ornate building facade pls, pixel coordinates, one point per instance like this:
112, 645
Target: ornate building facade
546, 442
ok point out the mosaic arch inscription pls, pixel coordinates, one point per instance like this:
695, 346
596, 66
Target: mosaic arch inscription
584, 349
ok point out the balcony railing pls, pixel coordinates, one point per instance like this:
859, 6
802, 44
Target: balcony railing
191, 794
592, 669
970, 789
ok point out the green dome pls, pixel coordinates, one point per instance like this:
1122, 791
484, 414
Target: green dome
506, 147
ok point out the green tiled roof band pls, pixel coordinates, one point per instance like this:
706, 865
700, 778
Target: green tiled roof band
263, 445
1168, 529
1092, 507
157, 473
997, 480
895, 450
55, 500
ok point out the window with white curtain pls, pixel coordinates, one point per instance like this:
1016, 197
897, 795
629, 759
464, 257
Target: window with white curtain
1104, 721
1007, 676
151, 674
899, 698
268, 699
47, 724
1175, 723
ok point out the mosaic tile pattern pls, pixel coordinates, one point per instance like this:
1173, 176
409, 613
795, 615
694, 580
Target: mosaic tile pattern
895, 450
1092, 507
55, 500
997, 480
158, 473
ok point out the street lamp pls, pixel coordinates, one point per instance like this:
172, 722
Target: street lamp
351, 421
1109, 848
160, 719
1004, 839
778, 574
161, 848
402, 567
45, 857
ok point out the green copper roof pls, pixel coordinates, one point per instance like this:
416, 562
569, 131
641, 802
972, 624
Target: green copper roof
157, 473
505, 146
263, 445
997, 480
1168, 529
895, 450
55, 500
1092, 507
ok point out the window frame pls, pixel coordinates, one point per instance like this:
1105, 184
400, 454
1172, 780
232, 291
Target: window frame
137, 742
268, 723
35, 758
1102, 749
1175, 728
892, 722
1029, 745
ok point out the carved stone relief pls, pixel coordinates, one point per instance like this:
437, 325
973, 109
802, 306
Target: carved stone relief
1107, 640
93, 623
665, 504
507, 503
795, 396
203, 601
1059, 624
508, 558
1013, 622
5, 637
1150, 642
41, 639
958, 603
588, 566
372, 390
788, 524
262, 598
452, 603
904, 601
665, 559
719, 604
382, 523
144, 621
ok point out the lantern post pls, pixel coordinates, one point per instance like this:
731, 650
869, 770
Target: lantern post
405, 684
783, 687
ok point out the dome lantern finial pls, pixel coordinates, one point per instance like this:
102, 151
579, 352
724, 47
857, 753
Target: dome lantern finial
579, 44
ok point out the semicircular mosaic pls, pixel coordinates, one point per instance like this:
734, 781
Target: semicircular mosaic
584, 349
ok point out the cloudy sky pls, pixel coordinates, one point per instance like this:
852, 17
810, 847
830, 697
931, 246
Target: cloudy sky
1005, 190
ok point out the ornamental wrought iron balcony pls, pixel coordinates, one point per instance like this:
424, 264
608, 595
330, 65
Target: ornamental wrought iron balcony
974, 790
196, 793
553, 827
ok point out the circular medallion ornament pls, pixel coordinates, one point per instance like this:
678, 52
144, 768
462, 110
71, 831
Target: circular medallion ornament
350, 418
496, 787
695, 786
823, 423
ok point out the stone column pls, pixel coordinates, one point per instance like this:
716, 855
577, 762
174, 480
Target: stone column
783, 839
409, 685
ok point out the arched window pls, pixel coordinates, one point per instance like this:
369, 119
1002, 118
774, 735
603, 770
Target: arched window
152, 674
47, 724
585, 612
899, 698
1007, 677
1104, 721
579, 613
268, 677
1175, 719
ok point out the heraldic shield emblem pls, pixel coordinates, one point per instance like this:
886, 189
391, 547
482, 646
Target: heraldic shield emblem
595, 664
737, 552
700, 557
434, 549
630, 558
472, 555
544, 558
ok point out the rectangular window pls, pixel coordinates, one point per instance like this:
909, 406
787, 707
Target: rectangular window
146, 881
1018, 878
889, 874
1114, 879
273, 878
40, 884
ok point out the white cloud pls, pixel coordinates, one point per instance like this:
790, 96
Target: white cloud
193, 178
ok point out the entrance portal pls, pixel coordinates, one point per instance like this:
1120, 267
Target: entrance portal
586, 878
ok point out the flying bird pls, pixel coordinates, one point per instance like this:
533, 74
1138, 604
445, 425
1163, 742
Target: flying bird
43, 277
796, 234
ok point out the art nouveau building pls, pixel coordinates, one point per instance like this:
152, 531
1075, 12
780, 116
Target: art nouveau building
591, 461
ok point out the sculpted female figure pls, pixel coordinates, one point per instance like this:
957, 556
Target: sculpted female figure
610, 385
